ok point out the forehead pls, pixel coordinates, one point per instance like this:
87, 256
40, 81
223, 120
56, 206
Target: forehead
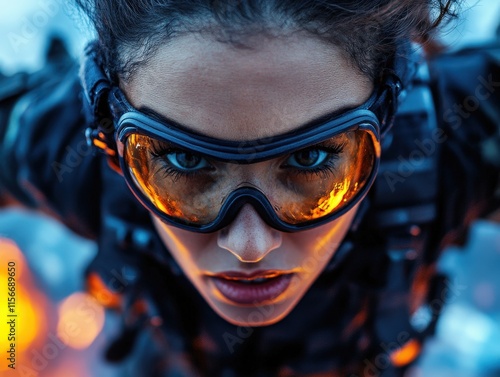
271, 86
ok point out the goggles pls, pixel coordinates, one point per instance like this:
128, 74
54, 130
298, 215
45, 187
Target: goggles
295, 181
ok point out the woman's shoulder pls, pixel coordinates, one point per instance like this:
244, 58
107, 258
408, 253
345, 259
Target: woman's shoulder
466, 88
441, 164
45, 161
465, 83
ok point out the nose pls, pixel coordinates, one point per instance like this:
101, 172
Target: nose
248, 237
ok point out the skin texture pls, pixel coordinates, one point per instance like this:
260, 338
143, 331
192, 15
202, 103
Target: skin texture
273, 86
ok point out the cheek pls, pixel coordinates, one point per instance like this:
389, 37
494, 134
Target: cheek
188, 248
314, 248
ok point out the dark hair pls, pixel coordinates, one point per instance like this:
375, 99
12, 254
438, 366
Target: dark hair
130, 31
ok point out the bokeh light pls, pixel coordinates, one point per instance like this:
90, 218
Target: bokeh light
81, 319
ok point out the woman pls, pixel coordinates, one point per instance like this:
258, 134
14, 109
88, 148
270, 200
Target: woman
242, 139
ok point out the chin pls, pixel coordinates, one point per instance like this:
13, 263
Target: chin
253, 316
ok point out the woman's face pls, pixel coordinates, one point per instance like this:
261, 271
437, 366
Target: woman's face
248, 272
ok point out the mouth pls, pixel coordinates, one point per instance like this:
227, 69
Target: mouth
255, 288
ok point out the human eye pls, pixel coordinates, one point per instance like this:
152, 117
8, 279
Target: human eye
315, 159
178, 162
186, 161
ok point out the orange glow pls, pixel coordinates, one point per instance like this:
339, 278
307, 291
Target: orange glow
406, 354
102, 145
10, 252
357, 321
420, 286
71, 367
329, 203
27, 312
81, 319
101, 293
28, 322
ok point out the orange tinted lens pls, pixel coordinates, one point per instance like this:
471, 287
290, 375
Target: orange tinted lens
186, 196
317, 194
305, 185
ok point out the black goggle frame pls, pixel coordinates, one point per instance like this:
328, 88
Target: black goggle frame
112, 119
131, 121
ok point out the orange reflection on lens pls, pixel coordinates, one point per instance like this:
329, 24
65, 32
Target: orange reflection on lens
331, 202
298, 192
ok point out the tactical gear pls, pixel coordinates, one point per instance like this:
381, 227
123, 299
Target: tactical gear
438, 172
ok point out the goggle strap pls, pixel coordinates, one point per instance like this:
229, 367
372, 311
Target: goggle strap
386, 104
97, 86
95, 82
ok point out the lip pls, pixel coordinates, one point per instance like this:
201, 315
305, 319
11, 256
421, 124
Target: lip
243, 288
